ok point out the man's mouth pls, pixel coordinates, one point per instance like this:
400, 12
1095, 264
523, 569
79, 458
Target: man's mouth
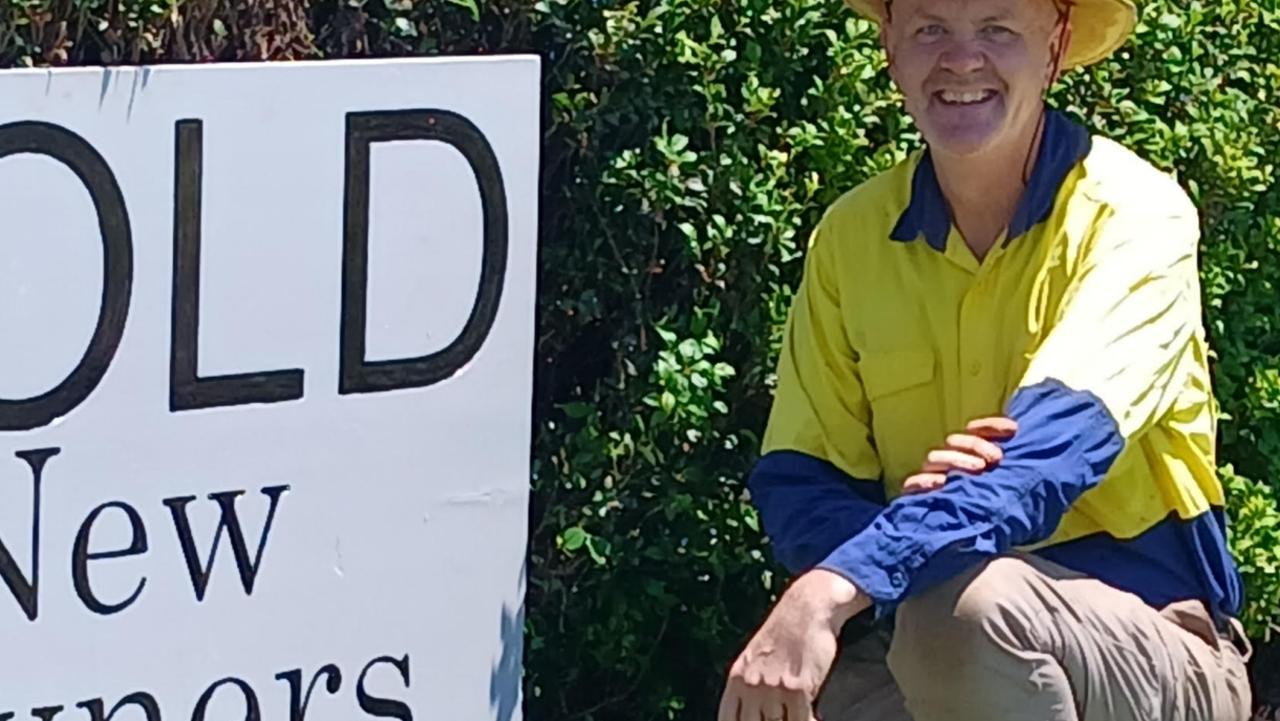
964, 97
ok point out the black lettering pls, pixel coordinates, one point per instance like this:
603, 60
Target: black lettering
363, 130
80, 557
141, 699
27, 592
45, 713
381, 707
89, 166
252, 711
187, 389
231, 522
298, 702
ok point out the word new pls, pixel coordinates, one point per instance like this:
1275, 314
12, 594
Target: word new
26, 590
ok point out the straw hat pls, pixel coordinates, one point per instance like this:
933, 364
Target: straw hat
1098, 27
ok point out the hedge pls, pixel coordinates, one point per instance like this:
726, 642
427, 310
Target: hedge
689, 145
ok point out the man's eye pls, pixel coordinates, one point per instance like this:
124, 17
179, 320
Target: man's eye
998, 30
931, 31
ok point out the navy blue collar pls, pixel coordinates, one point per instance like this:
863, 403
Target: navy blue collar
1063, 144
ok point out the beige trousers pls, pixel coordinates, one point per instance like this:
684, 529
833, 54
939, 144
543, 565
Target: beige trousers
1023, 639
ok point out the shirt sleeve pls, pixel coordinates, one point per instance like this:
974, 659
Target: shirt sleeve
809, 507
1107, 370
817, 483
1129, 320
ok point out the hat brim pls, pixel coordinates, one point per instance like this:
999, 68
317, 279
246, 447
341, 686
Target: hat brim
1098, 27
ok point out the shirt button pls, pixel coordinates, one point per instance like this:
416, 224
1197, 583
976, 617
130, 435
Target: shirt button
975, 368
898, 579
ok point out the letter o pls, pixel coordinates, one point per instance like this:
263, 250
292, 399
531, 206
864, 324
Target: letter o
84, 160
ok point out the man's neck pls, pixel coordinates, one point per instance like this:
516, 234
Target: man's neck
983, 190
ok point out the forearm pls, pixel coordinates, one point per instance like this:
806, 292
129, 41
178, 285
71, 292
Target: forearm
809, 507
1065, 444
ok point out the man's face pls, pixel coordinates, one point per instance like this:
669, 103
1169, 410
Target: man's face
973, 71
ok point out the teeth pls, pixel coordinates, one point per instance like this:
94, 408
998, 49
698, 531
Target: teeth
965, 96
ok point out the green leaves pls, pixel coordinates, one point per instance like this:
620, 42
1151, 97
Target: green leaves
405, 26
1255, 543
571, 539
469, 5
690, 380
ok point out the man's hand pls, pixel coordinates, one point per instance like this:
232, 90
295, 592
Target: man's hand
779, 673
971, 451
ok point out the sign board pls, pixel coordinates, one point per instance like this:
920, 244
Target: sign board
266, 339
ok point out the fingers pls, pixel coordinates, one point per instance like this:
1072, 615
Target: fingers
752, 708
775, 704
945, 459
995, 428
972, 451
772, 707
746, 702
976, 446
923, 483
798, 707
732, 697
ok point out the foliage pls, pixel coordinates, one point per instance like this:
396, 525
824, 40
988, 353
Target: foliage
689, 146
1254, 545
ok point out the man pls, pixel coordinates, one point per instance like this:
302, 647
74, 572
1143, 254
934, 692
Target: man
1001, 336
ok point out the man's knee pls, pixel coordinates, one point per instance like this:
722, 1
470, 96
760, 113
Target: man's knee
1003, 589
946, 628
973, 596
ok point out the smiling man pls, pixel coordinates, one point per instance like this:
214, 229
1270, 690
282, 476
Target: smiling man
993, 422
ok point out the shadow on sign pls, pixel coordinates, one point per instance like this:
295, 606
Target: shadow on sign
505, 680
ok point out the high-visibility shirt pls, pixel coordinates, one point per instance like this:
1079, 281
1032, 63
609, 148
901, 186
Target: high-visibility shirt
1083, 324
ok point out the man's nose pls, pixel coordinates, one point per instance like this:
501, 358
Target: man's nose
962, 57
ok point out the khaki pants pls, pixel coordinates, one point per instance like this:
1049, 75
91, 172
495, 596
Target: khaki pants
1023, 639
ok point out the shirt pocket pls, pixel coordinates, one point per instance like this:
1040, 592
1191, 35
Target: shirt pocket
906, 409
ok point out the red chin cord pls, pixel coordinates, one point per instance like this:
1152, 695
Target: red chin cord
1064, 18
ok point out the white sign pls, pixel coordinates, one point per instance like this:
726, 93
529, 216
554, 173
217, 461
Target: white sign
266, 340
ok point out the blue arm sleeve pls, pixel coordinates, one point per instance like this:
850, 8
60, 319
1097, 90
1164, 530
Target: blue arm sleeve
810, 507
1066, 442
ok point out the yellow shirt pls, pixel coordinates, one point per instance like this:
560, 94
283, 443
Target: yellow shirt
898, 336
